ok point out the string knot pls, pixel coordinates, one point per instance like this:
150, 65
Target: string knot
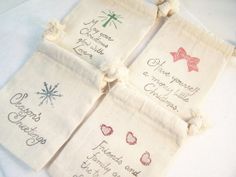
196, 123
54, 30
234, 53
168, 8
233, 60
114, 72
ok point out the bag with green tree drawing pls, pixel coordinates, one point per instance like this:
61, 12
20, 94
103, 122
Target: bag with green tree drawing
103, 31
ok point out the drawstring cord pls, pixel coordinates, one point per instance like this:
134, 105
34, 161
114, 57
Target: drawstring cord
54, 30
168, 8
114, 72
196, 124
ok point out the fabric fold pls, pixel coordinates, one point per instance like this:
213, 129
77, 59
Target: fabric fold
207, 38
85, 71
130, 98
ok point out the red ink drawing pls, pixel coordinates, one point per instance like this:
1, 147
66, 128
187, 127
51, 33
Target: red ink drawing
191, 61
131, 139
106, 130
146, 159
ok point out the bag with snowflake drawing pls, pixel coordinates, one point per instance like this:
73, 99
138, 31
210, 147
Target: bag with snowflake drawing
45, 101
104, 31
127, 135
178, 68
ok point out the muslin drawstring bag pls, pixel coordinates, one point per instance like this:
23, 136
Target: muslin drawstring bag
127, 135
103, 31
45, 101
179, 66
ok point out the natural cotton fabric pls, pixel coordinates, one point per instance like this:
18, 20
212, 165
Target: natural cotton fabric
179, 67
140, 125
45, 101
103, 31
127, 135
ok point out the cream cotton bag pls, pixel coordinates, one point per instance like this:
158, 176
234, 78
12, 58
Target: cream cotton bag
45, 101
127, 135
178, 68
103, 31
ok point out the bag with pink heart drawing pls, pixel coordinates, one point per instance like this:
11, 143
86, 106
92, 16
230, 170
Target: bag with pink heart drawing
45, 101
127, 135
179, 66
103, 31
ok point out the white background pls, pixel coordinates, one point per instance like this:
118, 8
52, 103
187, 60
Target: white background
211, 154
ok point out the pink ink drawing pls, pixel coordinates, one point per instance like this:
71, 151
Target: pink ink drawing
146, 159
106, 130
131, 139
191, 61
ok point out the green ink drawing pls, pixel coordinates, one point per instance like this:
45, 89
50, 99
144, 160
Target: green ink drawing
110, 18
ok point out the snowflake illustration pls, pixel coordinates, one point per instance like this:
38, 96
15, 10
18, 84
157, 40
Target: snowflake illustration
110, 18
48, 94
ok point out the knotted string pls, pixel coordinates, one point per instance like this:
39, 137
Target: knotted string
234, 55
196, 124
114, 72
168, 8
54, 30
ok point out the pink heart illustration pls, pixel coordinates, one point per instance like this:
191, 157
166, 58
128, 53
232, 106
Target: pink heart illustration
131, 139
146, 159
106, 130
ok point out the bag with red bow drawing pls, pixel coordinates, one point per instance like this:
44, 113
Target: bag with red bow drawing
127, 135
179, 66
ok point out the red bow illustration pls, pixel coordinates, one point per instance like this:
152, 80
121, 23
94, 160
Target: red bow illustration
191, 61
